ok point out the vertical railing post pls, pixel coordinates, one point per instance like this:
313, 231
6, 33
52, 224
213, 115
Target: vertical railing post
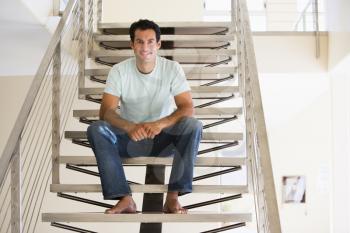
249, 138
82, 45
56, 114
56, 7
239, 37
99, 12
316, 27
90, 29
16, 197
233, 15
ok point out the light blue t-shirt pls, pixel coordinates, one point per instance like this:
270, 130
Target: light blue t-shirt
146, 97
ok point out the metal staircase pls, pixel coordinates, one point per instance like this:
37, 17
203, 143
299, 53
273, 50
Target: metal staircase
218, 59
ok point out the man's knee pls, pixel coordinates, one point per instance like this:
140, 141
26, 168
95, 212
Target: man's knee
101, 130
95, 128
192, 124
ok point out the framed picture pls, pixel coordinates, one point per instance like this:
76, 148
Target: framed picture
293, 189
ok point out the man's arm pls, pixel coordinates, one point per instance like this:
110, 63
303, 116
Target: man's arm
184, 106
108, 113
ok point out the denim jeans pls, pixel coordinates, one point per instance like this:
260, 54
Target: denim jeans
111, 144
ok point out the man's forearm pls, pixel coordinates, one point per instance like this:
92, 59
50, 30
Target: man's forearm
114, 119
176, 116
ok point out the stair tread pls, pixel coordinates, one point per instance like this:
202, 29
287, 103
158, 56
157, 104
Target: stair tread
205, 136
198, 112
103, 70
189, 77
200, 161
191, 216
194, 89
200, 24
165, 52
212, 38
150, 188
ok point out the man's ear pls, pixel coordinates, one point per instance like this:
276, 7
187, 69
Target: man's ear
131, 44
159, 44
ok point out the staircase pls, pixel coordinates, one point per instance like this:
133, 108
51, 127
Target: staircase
207, 54
232, 187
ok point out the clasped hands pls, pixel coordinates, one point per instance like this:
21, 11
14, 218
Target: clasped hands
138, 132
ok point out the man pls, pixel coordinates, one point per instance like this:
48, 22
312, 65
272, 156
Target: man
146, 86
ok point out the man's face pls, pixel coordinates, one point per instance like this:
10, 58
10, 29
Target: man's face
145, 45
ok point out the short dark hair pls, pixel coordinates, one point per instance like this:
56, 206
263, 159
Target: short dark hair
144, 24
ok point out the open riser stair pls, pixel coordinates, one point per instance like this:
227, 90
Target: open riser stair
232, 186
207, 56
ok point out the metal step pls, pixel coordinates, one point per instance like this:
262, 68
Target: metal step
207, 38
151, 217
172, 45
170, 25
187, 70
149, 188
216, 90
166, 52
199, 112
190, 77
168, 161
205, 136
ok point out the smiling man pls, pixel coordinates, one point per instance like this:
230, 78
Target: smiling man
146, 88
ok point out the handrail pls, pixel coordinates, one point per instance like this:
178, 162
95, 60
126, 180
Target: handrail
259, 160
302, 14
317, 28
30, 97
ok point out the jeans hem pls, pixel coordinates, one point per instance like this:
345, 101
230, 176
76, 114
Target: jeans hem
116, 197
181, 191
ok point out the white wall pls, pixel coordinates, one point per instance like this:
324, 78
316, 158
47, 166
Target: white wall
157, 10
339, 62
296, 98
298, 117
41, 9
14, 89
281, 15
23, 40
290, 53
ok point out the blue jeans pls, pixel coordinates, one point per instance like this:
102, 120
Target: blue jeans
111, 144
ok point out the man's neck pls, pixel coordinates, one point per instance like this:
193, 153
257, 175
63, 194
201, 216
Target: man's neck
146, 67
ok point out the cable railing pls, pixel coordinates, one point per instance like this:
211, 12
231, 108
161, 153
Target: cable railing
257, 148
33, 145
275, 15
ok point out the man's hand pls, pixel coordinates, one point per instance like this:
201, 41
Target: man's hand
137, 132
152, 128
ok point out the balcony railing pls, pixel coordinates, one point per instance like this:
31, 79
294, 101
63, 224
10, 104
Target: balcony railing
275, 15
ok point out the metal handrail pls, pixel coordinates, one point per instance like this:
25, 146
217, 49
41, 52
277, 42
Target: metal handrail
30, 97
259, 160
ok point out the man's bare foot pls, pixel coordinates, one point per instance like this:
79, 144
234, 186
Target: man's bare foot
172, 204
125, 205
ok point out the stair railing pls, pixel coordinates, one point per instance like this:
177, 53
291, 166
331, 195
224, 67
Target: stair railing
260, 176
34, 142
